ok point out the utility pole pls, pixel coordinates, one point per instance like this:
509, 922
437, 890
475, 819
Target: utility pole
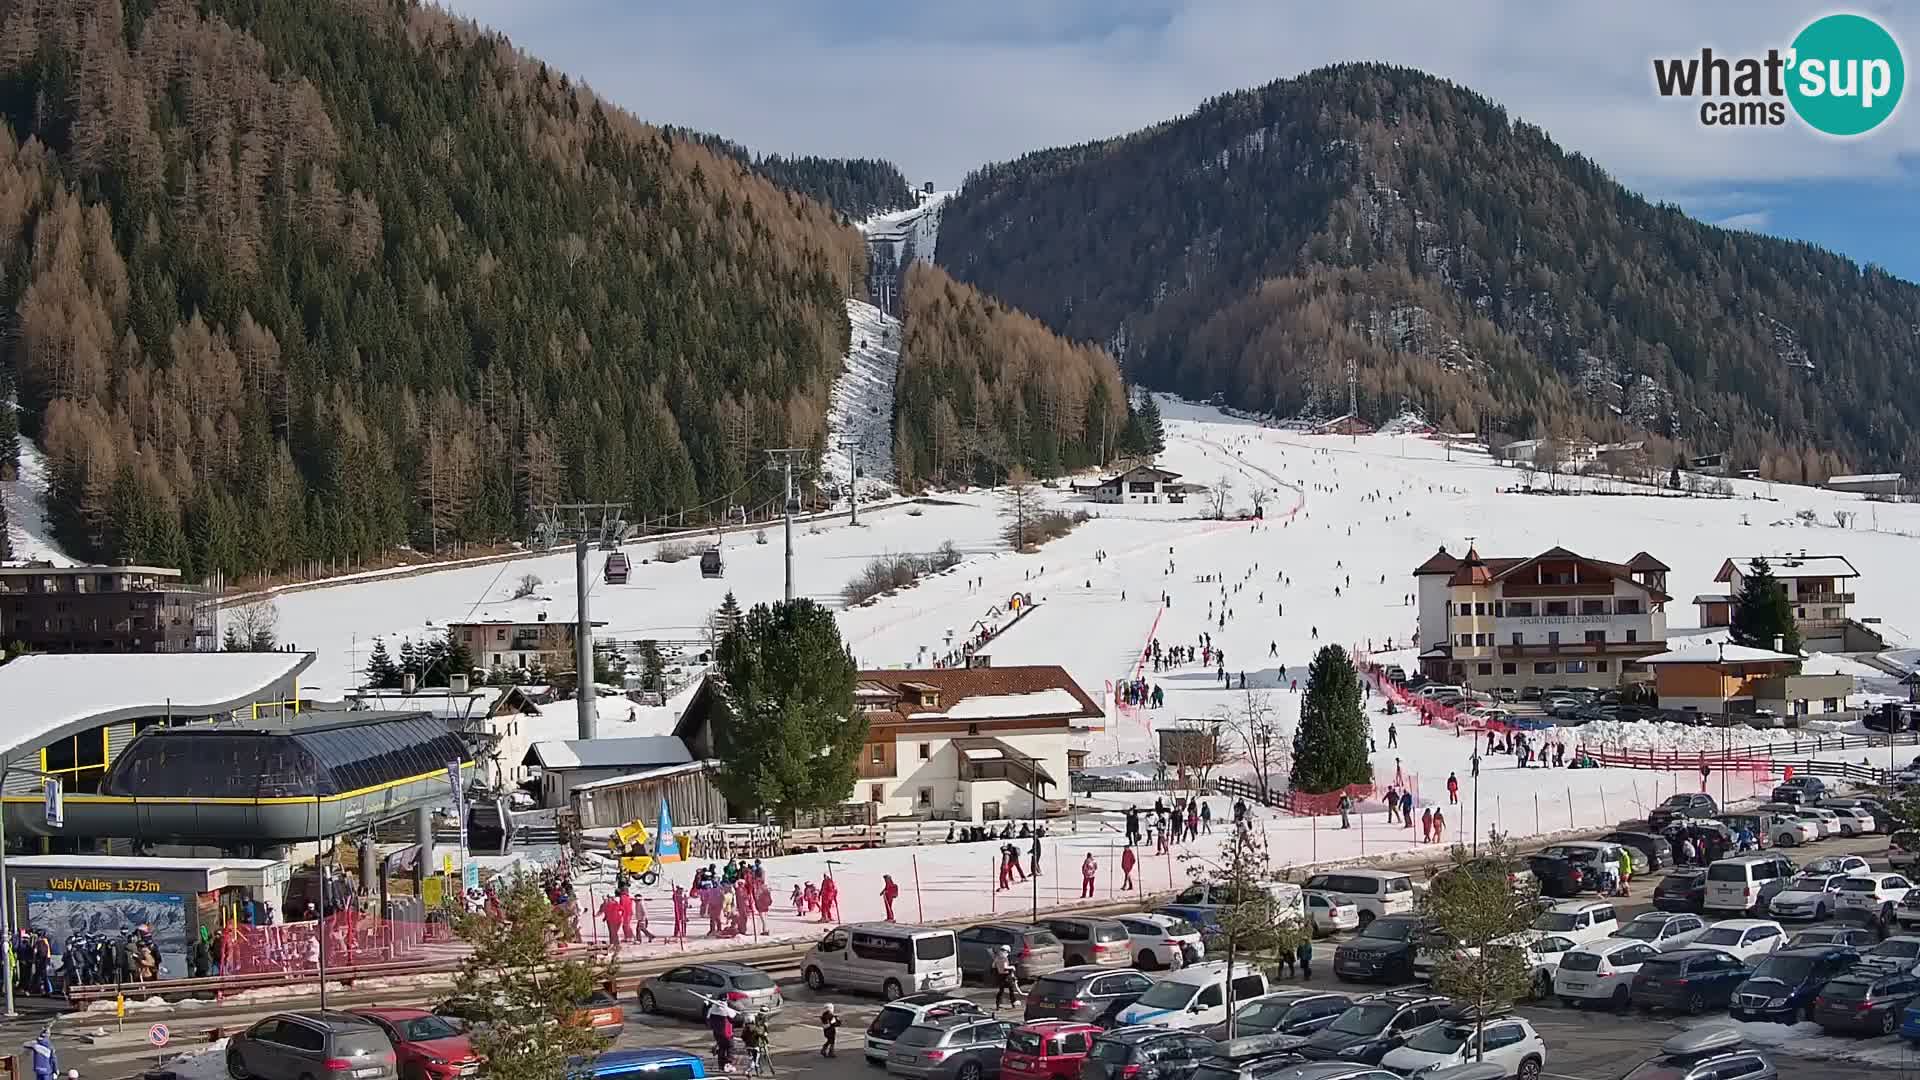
852, 447
1353, 399
585, 695
784, 460
553, 524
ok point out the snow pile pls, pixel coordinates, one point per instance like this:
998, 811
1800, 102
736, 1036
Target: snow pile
1663, 737
1053, 702
862, 406
1809, 1040
1409, 422
26, 502
912, 233
208, 1062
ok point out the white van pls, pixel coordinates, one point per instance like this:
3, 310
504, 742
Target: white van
1746, 882
884, 958
1374, 892
1194, 997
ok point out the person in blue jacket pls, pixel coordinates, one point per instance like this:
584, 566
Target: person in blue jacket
45, 1065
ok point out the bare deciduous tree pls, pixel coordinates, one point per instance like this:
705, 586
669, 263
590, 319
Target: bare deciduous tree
526, 586
1255, 736
251, 627
1220, 494
1193, 750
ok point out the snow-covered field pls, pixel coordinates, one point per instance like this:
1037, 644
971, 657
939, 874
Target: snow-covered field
1354, 513
26, 502
862, 409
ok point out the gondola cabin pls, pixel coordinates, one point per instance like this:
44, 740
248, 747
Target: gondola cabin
712, 564
616, 568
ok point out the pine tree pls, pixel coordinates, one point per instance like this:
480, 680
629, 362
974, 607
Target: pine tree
459, 658
1330, 745
530, 1023
382, 672
785, 728
1152, 430
1762, 612
409, 660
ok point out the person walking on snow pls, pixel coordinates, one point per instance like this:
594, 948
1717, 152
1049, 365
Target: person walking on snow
1206, 818
1089, 869
1406, 808
1393, 804
1346, 810
610, 912
829, 1027
1439, 824
1393, 735
1453, 788
1426, 825
1127, 862
889, 892
679, 913
1008, 978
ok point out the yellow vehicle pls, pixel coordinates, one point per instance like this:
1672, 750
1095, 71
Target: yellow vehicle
633, 846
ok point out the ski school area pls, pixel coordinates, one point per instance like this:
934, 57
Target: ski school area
1237, 607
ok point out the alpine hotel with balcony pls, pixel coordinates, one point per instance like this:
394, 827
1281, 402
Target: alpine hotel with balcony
1552, 620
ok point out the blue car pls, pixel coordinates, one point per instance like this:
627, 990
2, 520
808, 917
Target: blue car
1910, 1024
652, 1063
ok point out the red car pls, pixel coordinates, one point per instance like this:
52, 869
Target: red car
1047, 1050
429, 1047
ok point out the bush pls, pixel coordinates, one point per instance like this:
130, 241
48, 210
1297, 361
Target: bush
674, 551
1042, 527
526, 586
889, 572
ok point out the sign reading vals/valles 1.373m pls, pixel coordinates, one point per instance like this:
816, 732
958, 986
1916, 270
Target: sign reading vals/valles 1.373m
87, 884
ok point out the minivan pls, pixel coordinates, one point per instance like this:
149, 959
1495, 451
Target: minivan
1746, 882
1194, 997
1374, 892
1092, 941
884, 958
320, 1045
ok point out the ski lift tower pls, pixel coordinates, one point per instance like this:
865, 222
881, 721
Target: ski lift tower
602, 524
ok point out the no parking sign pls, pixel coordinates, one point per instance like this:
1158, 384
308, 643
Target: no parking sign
157, 1035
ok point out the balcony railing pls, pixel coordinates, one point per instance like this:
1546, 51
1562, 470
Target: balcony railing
1824, 598
876, 770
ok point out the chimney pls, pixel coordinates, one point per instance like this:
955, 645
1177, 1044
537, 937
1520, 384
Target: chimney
1779, 643
457, 683
409, 682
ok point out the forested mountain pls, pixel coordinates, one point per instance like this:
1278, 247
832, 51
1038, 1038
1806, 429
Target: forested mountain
1463, 261
857, 187
983, 388
304, 279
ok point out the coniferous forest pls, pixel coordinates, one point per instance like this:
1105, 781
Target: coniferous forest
1468, 267
303, 280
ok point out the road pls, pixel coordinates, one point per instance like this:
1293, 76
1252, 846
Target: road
1583, 1044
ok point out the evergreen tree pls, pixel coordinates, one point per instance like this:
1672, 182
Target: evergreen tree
382, 672
531, 1025
233, 641
1673, 478
459, 659
1762, 612
1330, 745
785, 728
1153, 431
651, 663
409, 660
433, 657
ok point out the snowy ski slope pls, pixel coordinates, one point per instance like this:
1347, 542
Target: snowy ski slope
862, 402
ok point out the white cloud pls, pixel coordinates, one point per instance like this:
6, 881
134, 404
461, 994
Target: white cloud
1752, 220
941, 88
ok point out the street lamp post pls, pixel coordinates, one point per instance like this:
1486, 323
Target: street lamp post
1476, 795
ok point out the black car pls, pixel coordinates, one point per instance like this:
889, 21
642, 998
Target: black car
1800, 791
1383, 952
1245, 1063
1688, 980
1684, 889
1858, 938
1088, 993
1557, 877
1372, 1026
1145, 1053
1650, 851
1695, 804
1784, 983
1867, 999
1289, 1012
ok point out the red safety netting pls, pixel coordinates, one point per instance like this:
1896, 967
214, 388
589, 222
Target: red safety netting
1317, 804
1429, 713
353, 939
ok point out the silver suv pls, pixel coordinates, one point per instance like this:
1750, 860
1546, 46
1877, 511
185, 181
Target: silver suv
312, 1046
950, 1048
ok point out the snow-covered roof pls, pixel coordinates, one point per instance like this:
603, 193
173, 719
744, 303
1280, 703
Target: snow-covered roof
1000, 706
608, 753
48, 693
1791, 566
1713, 654
1864, 478
656, 773
557, 609
1713, 598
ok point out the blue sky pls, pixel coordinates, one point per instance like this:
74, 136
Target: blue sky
940, 88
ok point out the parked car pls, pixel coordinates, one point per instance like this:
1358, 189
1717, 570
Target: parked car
1744, 883
1286, 1012
1384, 951
1858, 938
426, 1047
1759, 827
1509, 1042
1580, 921
1806, 896
1377, 893
902, 1013
1684, 889
1900, 951
1784, 984
1838, 864
1145, 1053
1558, 877
1689, 980
688, 990
1745, 939
1518, 874
1883, 819
1829, 820
651, 1063
1047, 1050
1601, 971
1686, 804
1789, 829
1330, 914
1661, 930
1092, 941
312, 1045
1907, 913
1088, 993
1867, 999
1855, 820
1541, 954
1033, 949
1160, 941
1706, 1053
1598, 862
1195, 997
950, 1048
1256, 1057
1651, 851
890, 959
1877, 895
1372, 1027
1800, 789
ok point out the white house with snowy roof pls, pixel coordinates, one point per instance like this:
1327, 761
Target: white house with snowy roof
1819, 587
